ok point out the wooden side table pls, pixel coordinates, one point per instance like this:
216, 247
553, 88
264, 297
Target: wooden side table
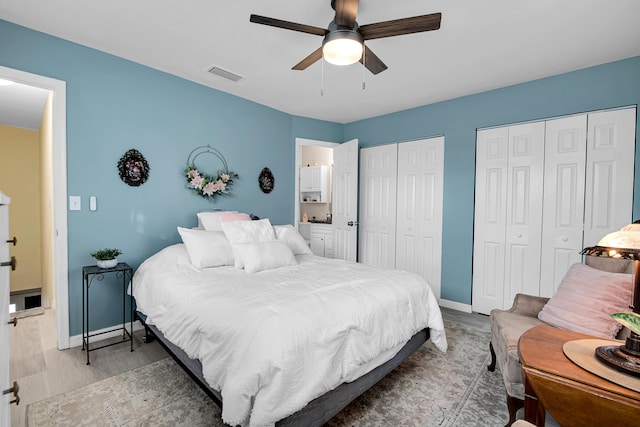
91, 272
572, 395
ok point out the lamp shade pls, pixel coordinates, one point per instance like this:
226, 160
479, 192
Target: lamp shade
627, 238
342, 47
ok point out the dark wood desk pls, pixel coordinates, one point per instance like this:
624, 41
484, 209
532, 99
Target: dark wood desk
572, 395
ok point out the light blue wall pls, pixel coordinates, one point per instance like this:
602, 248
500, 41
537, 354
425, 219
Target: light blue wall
607, 86
114, 105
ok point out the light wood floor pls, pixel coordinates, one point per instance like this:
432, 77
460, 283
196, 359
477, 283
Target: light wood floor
42, 370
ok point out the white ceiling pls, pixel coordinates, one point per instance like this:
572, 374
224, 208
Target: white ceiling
481, 45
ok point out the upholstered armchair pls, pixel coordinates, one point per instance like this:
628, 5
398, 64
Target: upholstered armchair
591, 291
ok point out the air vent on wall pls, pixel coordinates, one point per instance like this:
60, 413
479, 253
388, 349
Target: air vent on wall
224, 73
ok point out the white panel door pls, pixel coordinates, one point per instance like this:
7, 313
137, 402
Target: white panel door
490, 219
419, 209
610, 161
564, 192
5, 413
345, 200
524, 210
377, 229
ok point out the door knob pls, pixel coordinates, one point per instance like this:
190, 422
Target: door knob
11, 263
14, 241
14, 321
15, 389
352, 223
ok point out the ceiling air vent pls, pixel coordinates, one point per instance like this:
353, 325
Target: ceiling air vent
224, 73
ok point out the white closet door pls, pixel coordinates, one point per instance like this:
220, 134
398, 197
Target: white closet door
490, 219
419, 209
378, 174
564, 192
524, 210
610, 162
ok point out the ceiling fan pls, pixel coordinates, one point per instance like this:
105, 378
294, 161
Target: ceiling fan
343, 42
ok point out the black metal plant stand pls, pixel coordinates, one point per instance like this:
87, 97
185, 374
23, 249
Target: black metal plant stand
91, 272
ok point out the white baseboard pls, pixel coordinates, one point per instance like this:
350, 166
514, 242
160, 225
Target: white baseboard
466, 308
76, 340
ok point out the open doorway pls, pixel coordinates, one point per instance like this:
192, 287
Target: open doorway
314, 154
51, 233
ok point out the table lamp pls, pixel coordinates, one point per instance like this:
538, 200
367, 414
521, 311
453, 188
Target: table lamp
623, 244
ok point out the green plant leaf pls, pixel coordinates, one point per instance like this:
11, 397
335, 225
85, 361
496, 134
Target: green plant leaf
106, 254
629, 320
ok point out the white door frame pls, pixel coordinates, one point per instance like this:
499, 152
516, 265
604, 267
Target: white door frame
296, 189
59, 150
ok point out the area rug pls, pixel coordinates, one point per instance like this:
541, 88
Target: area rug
429, 389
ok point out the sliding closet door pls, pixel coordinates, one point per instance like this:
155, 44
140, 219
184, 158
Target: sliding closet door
490, 219
378, 174
419, 212
564, 192
610, 163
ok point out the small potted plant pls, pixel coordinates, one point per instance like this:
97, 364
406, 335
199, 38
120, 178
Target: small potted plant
106, 258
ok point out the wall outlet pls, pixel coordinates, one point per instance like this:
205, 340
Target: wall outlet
75, 203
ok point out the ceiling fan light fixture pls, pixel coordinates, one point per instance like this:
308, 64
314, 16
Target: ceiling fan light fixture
342, 47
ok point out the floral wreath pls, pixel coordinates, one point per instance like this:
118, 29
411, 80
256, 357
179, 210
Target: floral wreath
208, 186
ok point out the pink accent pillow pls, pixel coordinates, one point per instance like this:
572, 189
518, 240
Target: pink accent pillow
234, 216
585, 300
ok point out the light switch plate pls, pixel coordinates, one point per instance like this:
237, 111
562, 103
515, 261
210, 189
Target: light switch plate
92, 203
75, 203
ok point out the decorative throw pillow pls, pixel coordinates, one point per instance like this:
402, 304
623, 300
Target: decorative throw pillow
234, 216
210, 220
291, 236
247, 232
259, 256
585, 300
207, 248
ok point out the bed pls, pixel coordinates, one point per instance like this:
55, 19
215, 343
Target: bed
286, 345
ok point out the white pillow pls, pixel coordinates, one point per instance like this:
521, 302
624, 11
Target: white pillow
207, 248
291, 236
259, 256
210, 220
248, 231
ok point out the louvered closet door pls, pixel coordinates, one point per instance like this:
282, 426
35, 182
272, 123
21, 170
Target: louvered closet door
490, 219
564, 193
419, 210
378, 175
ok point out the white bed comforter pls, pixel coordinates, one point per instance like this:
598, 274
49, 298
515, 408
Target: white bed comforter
273, 341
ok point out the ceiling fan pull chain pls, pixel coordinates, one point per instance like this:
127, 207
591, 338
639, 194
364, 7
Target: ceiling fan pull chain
363, 66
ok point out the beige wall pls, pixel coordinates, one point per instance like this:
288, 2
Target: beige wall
322, 156
20, 180
46, 203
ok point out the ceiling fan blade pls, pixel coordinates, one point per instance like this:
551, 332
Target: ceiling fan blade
306, 62
372, 62
279, 23
398, 27
346, 11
